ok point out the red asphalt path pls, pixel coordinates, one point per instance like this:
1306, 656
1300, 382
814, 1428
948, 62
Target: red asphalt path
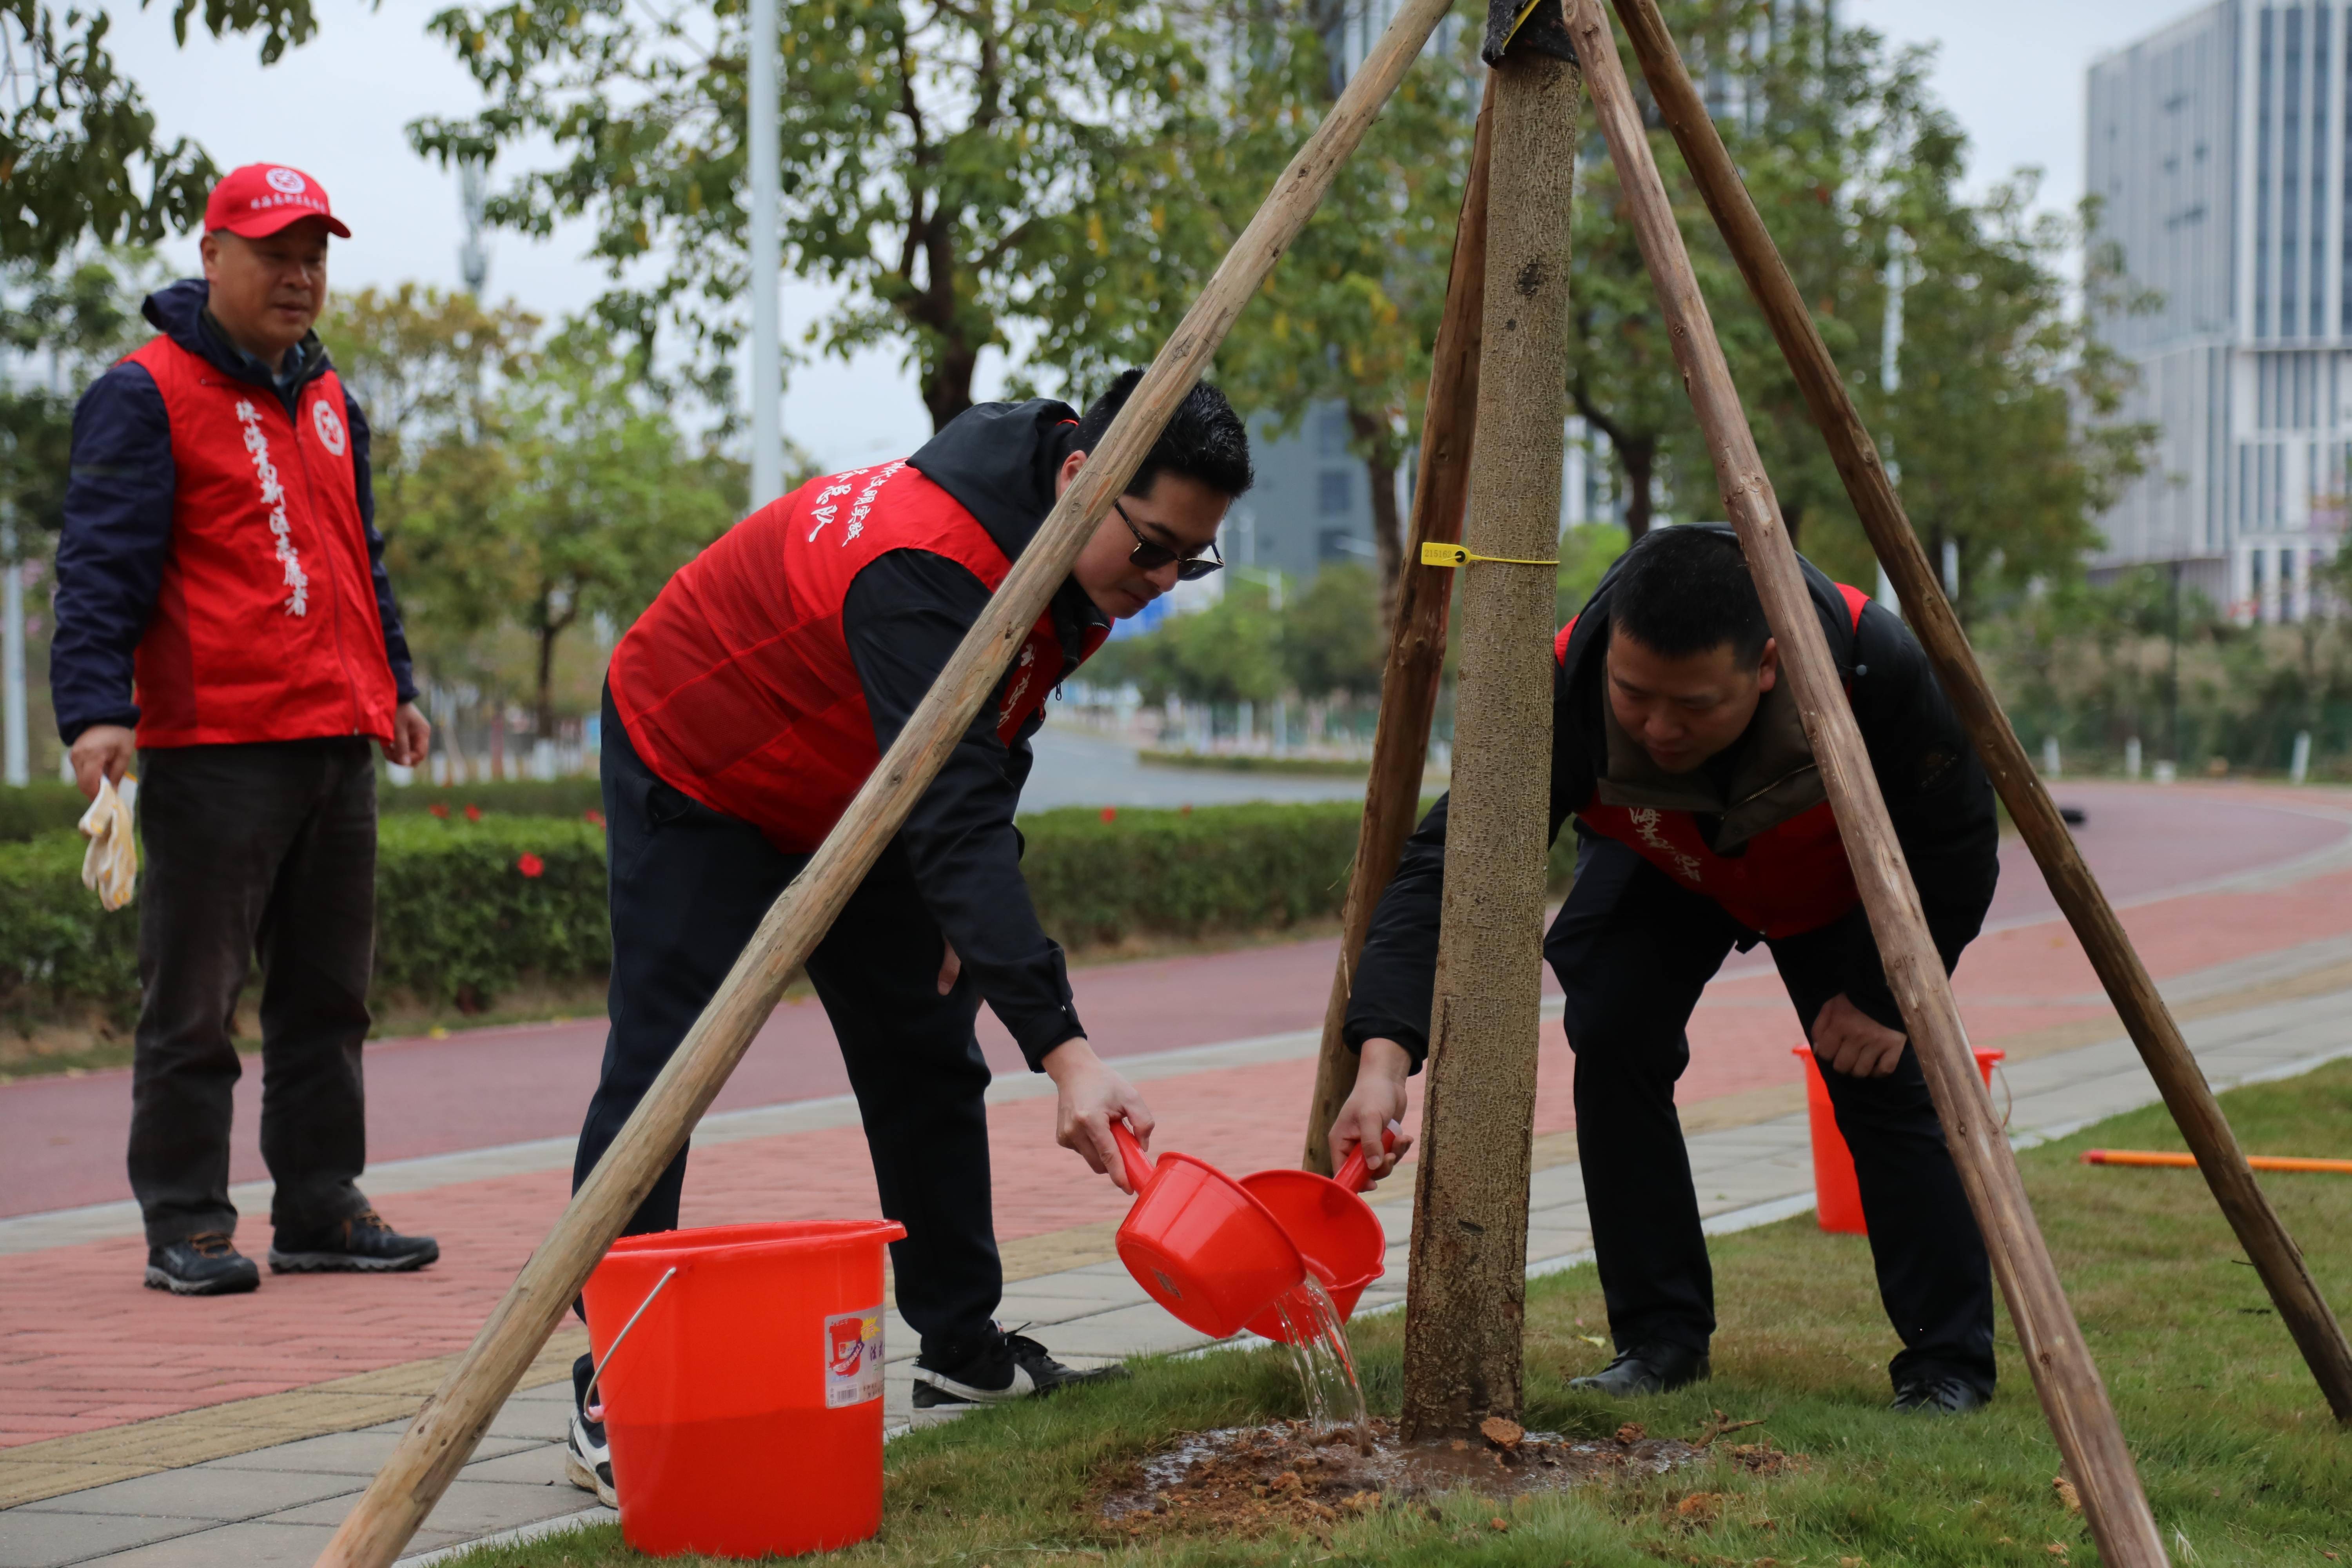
82, 1346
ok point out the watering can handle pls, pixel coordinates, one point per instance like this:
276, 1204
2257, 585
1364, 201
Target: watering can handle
1130, 1154
1354, 1174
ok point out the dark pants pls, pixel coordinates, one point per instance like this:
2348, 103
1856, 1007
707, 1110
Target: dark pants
688, 887
1632, 951
270, 847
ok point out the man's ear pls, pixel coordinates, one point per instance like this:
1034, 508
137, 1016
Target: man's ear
208, 248
1066, 472
1768, 665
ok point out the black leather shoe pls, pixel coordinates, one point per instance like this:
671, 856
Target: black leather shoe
362, 1244
206, 1264
1939, 1396
1646, 1369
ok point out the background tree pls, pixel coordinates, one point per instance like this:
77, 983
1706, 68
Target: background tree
80, 156
67, 319
941, 163
605, 501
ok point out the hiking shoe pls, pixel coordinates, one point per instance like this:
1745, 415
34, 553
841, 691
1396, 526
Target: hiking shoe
587, 1458
1003, 1368
1939, 1396
205, 1265
362, 1244
1646, 1369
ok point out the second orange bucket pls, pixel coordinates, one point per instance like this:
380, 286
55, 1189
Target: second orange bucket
1199, 1244
1837, 1195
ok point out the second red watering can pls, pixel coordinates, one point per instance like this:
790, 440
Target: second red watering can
1334, 1229
1199, 1243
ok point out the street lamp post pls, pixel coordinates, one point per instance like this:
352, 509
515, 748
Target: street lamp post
767, 260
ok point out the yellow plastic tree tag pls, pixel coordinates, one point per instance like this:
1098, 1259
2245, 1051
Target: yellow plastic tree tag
1454, 555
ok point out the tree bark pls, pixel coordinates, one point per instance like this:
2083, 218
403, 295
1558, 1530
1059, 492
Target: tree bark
1375, 438
1465, 1300
1416, 656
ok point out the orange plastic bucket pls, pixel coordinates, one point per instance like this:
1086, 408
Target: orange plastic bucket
1199, 1244
1837, 1195
744, 1408
1334, 1229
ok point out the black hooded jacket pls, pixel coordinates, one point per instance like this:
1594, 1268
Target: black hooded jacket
904, 617
1935, 790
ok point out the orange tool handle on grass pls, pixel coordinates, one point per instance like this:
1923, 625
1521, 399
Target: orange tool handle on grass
2185, 1162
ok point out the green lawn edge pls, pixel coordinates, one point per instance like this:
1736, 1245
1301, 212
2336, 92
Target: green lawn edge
2241, 1459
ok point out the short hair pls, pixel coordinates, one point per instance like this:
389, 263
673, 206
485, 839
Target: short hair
1204, 440
1684, 591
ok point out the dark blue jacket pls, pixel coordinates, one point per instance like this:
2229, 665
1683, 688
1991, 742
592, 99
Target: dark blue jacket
117, 530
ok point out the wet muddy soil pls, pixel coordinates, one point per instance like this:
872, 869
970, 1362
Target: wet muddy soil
1298, 1475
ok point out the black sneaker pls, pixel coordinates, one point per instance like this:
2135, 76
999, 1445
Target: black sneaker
362, 1244
1939, 1396
587, 1458
1005, 1367
206, 1264
1646, 1369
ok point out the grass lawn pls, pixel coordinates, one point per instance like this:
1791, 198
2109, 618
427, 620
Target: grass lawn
2239, 1455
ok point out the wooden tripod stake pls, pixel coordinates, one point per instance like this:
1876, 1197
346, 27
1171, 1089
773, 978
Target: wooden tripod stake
1417, 642
1465, 1298
2089, 1438
444, 1434
2150, 1022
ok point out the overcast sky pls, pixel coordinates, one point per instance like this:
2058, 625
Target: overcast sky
2010, 69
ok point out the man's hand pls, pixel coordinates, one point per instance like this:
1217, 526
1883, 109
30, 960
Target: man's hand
1848, 1040
949, 966
102, 751
1378, 1098
1092, 1097
411, 732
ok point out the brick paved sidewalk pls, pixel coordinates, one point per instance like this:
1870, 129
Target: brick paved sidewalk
100, 1379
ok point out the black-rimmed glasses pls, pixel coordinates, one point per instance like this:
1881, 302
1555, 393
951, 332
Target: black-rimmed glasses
1151, 557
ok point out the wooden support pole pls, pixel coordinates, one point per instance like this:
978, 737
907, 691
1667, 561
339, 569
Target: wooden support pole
1417, 658
2090, 1440
443, 1434
1465, 1298
2148, 1021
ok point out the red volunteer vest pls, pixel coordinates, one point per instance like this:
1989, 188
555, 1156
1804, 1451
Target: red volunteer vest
1790, 878
265, 626
737, 685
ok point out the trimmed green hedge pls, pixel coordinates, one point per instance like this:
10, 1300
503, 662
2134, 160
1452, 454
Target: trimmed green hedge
467, 910
47, 807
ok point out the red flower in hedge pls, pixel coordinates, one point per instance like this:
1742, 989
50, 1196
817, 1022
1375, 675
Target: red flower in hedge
439, 808
473, 812
1110, 814
531, 865
1185, 811
593, 818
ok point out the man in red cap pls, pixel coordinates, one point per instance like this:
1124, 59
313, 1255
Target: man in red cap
225, 625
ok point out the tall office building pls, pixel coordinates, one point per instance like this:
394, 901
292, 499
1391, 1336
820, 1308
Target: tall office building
2221, 152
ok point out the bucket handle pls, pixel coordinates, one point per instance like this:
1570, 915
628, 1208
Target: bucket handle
1354, 1173
588, 1397
1130, 1154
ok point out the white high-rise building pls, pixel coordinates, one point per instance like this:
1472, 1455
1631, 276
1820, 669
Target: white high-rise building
2221, 152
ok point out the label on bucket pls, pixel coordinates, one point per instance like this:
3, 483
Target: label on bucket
853, 1358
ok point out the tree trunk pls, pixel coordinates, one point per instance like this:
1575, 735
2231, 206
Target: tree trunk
1638, 455
1374, 436
1465, 1301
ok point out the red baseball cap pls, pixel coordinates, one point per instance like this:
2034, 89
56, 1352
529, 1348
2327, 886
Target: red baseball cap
262, 198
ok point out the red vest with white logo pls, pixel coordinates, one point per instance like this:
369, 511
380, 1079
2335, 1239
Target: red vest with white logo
265, 626
737, 686
1790, 878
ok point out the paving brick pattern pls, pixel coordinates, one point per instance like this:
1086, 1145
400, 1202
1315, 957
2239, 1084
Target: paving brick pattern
83, 1350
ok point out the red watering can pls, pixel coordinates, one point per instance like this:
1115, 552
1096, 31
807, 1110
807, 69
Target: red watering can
1199, 1243
1335, 1231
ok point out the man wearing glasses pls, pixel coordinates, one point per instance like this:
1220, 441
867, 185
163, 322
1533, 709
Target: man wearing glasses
746, 706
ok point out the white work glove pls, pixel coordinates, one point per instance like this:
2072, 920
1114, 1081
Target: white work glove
111, 866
